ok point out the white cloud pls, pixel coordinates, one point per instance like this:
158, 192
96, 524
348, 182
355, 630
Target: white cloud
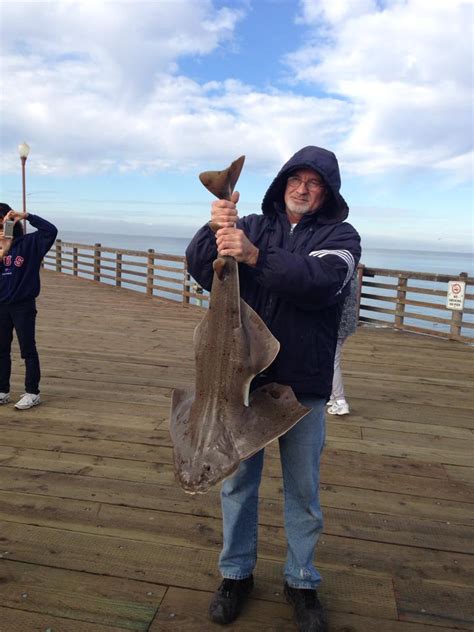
70, 102
94, 86
406, 71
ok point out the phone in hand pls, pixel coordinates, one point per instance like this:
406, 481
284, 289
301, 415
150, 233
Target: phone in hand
8, 227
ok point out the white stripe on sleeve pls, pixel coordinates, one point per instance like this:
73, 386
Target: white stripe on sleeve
345, 255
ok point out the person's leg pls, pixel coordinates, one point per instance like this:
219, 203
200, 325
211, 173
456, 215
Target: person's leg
6, 337
300, 450
239, 499
339, 405
337, 383
24, 321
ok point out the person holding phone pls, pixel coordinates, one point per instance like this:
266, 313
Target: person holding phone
20, 260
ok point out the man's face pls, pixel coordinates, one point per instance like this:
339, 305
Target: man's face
305, 193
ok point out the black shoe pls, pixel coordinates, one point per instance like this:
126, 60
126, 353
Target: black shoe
228, 600
308, 611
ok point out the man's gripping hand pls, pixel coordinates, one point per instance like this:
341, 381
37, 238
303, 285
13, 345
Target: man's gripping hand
232, 241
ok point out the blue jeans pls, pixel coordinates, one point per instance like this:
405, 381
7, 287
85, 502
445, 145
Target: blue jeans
300, 452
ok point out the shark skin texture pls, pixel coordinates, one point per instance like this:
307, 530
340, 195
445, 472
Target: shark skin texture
219, 423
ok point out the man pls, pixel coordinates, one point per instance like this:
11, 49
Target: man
20, 261
296, 260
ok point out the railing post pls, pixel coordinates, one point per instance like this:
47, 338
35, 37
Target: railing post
457, 315
75, 261
118, 270
150, 271
97, 256
400, 306
360, 281
58, 255
186, 283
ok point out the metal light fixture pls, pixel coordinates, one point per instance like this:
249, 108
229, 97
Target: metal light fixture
23, 150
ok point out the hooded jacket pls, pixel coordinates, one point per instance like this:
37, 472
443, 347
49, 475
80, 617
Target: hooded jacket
20, 268
301, 277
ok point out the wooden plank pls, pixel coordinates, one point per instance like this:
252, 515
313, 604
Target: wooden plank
98, 472
459, 473
104, 518
151, 496
14, 620
424, 276
98, 599
350, 459
357, 476
395, 425
430, 602
342, 622
394, 449
185, 610
389, 528
146, 459
411, 412
435, 441
408, 393
204, 533
373, 501
169, 565
116, 469
165, 497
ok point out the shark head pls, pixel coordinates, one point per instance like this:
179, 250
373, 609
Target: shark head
198, 474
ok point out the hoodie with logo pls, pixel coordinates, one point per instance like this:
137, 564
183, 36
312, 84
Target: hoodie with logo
301, 278
20, 268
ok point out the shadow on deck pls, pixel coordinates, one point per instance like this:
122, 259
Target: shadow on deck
95, 535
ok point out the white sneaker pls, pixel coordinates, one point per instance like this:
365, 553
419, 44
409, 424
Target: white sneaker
28, 400
340, 407
4, 398
330, 401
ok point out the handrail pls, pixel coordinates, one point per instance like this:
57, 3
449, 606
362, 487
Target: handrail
386, 297
408, 306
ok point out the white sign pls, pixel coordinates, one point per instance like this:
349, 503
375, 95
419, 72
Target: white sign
455, 298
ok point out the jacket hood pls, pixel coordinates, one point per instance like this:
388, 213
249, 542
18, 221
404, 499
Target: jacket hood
335, 208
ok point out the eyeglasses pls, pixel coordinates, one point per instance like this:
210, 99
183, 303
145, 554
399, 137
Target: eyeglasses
294, 182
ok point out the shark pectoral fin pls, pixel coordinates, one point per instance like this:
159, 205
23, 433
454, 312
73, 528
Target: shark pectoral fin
263, 347
272, 411
181, 402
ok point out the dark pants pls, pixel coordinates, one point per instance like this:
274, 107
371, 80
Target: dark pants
22, 318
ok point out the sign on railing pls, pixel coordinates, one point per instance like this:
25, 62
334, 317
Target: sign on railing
456, 294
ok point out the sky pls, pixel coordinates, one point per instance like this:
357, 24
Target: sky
124, 103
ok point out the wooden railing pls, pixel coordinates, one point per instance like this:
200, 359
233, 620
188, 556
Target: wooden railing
153, 273
415, 301
404, 300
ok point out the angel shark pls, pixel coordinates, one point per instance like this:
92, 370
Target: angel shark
219, 423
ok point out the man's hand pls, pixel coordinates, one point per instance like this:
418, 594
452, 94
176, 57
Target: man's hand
234, 243
224, 213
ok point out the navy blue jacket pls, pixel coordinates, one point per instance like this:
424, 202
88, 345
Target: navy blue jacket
20, 268
301, 277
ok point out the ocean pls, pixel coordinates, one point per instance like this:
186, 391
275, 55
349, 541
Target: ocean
439, 262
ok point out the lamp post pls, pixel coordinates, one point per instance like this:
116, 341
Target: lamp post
23, 150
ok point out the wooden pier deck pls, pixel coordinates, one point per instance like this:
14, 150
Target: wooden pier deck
95, 536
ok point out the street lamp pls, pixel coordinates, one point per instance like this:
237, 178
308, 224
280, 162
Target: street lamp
23, 150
